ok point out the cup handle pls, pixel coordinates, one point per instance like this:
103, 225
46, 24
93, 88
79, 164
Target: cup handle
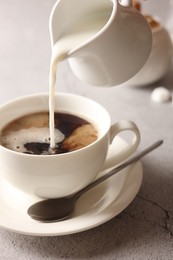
128, 150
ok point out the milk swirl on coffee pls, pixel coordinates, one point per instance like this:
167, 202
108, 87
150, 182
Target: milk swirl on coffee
16, 140
30, 133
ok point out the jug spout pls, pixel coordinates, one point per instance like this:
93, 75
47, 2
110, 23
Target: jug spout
106, 42
68, 14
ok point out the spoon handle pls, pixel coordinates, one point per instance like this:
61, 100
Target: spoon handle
120, 167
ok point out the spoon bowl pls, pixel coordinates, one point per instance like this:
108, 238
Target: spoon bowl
59, 209
46, 210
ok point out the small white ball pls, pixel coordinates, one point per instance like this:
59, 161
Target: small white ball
161, 95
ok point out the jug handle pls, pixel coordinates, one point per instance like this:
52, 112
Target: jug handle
126, 3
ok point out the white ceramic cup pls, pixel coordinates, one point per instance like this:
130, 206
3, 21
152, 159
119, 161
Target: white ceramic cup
51, 176
116, 52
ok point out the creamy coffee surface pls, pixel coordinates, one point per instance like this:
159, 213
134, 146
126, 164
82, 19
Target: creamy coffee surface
30, 134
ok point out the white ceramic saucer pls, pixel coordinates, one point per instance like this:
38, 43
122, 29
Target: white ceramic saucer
94, 208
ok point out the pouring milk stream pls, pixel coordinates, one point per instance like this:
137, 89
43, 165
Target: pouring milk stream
105, 41
79, 33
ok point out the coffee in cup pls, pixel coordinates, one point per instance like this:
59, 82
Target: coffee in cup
30, 134
62, 174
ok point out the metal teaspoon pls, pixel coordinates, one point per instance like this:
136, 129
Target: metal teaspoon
58, 209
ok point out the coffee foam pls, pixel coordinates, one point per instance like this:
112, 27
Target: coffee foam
81, 137
15, 140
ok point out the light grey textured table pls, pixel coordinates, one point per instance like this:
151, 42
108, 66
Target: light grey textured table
144, 230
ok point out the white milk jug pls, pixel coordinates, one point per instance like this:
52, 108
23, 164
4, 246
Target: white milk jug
105, 41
